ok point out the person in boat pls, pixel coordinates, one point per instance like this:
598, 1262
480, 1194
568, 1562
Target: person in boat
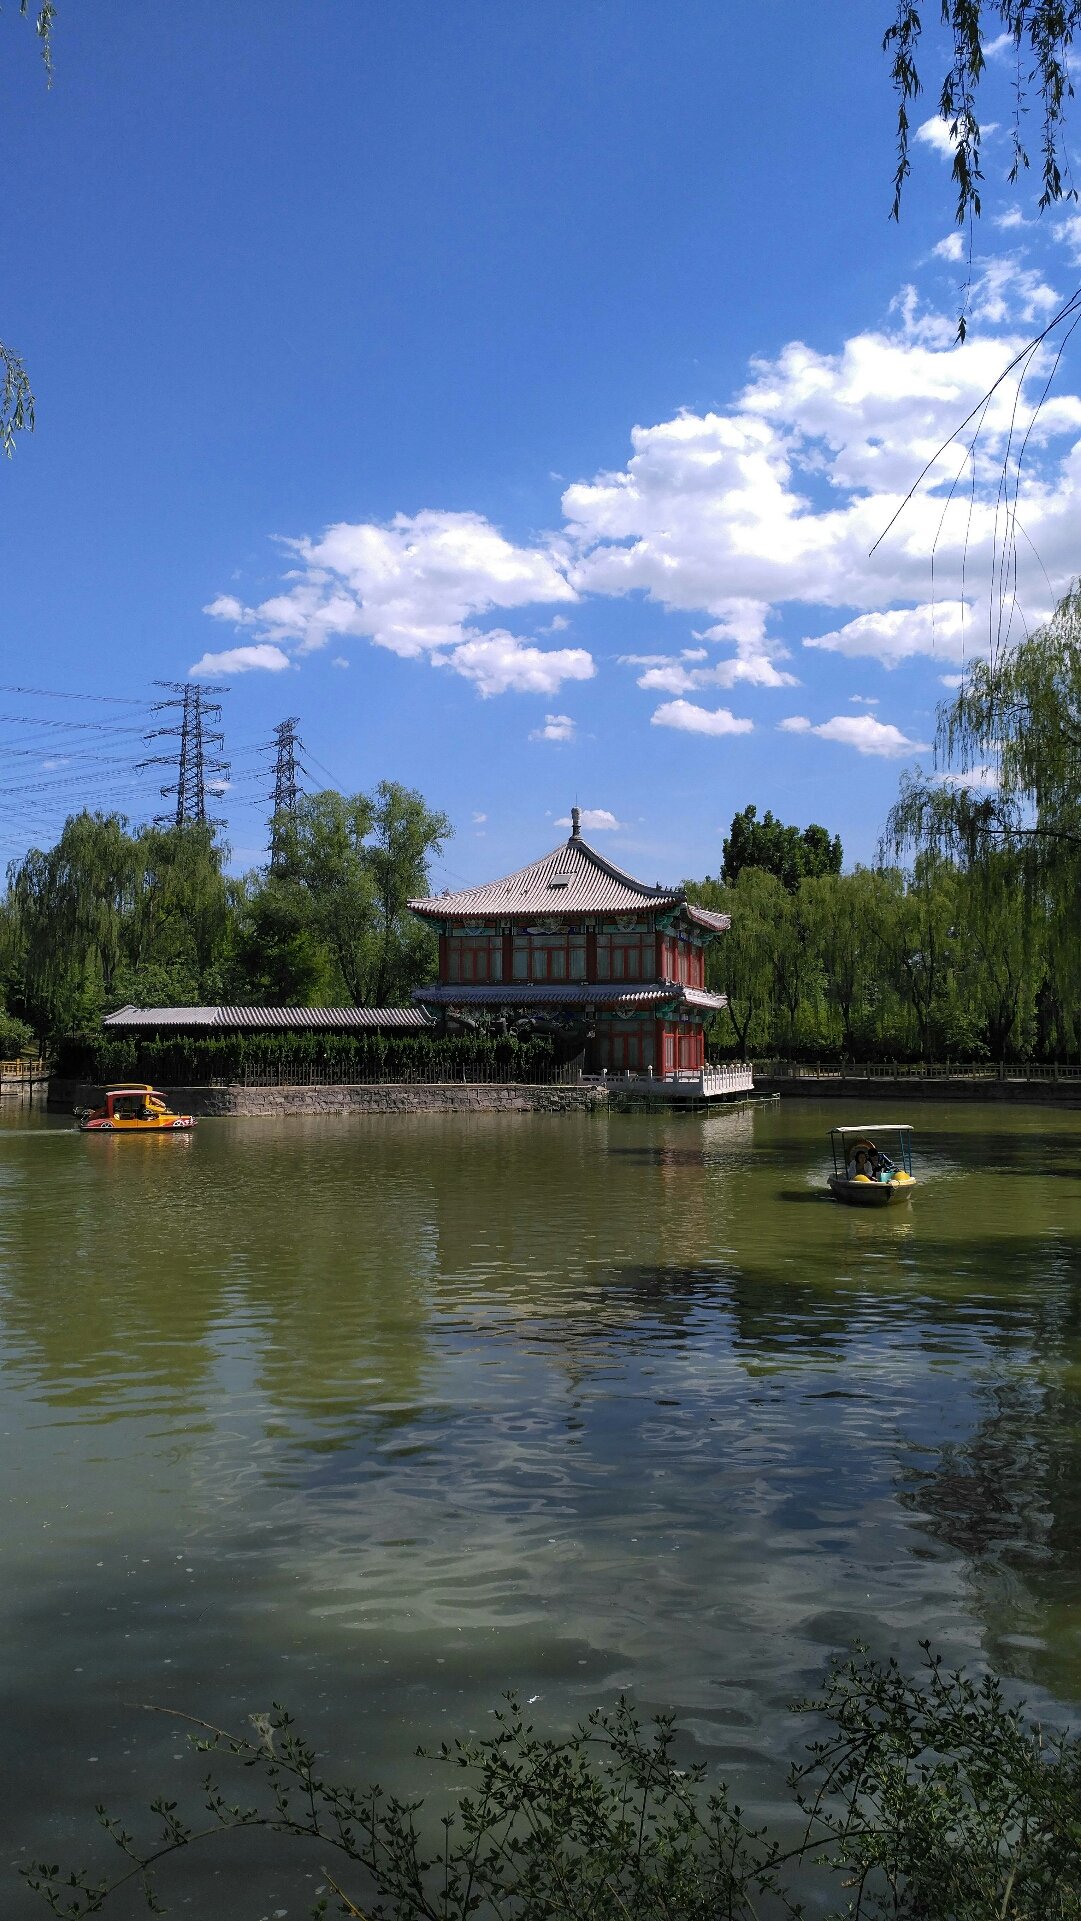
858, 1165
881, 1166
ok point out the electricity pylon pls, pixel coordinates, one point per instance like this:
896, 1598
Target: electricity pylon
199, 768
287, 770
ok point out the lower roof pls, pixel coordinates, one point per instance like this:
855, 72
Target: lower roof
571, 994
256, 1019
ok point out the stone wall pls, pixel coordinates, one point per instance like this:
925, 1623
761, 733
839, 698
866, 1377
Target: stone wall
454, 1097
909, 1087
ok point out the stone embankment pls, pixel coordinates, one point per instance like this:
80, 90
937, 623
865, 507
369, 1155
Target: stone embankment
452, 1097
867, 1090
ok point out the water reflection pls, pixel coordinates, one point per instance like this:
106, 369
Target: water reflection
382, 1416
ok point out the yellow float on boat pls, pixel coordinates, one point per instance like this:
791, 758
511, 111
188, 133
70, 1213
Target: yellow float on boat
133, 1108
864, 1174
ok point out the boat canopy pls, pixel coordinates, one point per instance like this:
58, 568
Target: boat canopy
875, 1127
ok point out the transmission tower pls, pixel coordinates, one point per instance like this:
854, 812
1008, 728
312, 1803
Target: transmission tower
287, 771
200, 768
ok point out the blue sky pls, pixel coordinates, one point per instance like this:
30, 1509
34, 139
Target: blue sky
450, 356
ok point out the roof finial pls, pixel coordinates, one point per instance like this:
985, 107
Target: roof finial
576, 823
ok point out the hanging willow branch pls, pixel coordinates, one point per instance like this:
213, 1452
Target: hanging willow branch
1042, 33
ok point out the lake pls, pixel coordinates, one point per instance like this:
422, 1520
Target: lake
380, 1417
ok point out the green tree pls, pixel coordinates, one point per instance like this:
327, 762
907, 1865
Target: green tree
1012, 737
323, 852
846, 916
1002, 960
740, 964
281, 956
181, 909
406, 835
69, 909
787, 852
921, 938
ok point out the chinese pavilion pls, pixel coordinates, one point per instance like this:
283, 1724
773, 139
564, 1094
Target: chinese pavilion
573, 943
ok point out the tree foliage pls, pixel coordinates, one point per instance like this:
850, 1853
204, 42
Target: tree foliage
944, 962
1006, 805
108, 916
926, 1797
1042, 33
790, 853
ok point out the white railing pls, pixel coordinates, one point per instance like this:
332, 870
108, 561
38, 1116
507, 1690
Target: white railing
736, 1079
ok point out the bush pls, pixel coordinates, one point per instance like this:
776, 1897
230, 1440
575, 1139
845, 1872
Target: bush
188, 1060
930, 1799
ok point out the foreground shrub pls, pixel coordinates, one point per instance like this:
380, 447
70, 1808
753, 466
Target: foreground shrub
930, 1799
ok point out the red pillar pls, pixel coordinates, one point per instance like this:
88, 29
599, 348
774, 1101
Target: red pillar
591, 953
442, 957
508, 957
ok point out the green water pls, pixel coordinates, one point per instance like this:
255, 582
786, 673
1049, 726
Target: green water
381, 1417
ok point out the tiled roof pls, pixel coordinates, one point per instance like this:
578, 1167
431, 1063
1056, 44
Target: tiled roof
569, 994
705, 917
572, 879
259, 1018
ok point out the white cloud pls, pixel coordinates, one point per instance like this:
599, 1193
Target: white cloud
864, 700
861, 731
241, 660
557, 625
479, 820
1005, 291
997, 48
756, 669
594, 819
936, 133
977, 779
1067, 230
339, 661
952, 680
556, 727
500, 663
781, 499
699, 720
772, 503
951, 248
933, 628
415, 585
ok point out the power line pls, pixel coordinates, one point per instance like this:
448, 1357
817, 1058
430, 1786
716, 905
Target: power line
51, 693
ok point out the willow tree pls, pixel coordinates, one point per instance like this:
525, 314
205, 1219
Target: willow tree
1006, 801
16, 394
741, 964
1042, 33
70, 908
848, 918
